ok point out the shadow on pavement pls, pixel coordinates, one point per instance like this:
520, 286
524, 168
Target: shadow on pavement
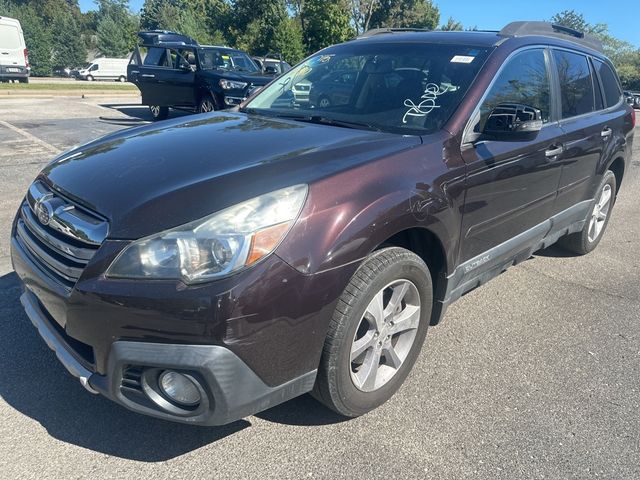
554, 251
35, 384
138, 112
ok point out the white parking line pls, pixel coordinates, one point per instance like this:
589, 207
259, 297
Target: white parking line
31, 137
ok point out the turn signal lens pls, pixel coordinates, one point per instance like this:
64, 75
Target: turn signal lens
266, 241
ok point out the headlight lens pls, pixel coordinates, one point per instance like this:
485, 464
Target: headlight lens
231, 84
217, 245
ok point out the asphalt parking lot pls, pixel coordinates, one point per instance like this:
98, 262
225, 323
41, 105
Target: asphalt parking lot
535, 375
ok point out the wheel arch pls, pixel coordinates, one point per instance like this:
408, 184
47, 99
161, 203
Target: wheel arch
617, 166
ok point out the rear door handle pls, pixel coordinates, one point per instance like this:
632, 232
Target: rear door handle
606, 133
553, 151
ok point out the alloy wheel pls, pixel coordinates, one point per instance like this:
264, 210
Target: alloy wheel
206, 106
385, 335
599, 214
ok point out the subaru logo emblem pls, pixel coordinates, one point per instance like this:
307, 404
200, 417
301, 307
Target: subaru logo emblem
43, 209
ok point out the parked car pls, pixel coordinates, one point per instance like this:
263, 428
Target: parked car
75, 72
14, 57
174, 71
333, 89
63, 72
209, 267
269, 65
105, 69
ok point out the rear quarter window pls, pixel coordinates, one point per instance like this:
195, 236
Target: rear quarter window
9, 37
610, 85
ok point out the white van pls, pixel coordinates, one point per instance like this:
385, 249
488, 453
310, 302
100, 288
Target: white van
105, 69
14, 58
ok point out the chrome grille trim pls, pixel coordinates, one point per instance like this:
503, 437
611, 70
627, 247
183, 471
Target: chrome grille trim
68, 272
76, 254
60, 236
67, 217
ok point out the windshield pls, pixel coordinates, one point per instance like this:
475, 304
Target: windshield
401, 88
222, 59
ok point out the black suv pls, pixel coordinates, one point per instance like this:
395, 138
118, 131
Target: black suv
206, 268
173, 70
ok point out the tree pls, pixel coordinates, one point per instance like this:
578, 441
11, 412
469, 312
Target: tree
623, 55
452, 25
263, 26
405, 14
206, 21
36, 36
327, 22
69, 49
116, 29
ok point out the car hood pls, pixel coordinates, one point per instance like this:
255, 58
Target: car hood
151, 178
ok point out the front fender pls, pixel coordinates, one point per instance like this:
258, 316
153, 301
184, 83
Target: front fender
347, 216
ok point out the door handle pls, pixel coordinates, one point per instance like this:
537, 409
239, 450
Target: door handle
553, 151
606, 133
147, 75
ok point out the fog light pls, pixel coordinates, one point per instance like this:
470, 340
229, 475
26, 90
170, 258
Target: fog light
179, 388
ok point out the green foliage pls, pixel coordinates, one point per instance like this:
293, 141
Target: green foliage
203, 20
623, 55
452, 25
116, 28
405, 14
263, 27
326, 23
36, 36
69, 49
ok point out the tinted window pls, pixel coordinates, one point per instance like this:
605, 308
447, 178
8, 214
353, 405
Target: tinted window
576, 85
524, 80
609, 83
156, 57
400, 88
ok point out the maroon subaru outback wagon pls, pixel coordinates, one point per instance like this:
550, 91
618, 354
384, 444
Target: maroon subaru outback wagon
205, 268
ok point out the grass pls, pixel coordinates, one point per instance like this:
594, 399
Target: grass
71, 86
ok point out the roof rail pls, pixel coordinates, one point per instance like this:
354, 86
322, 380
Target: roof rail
555, 30
379, 31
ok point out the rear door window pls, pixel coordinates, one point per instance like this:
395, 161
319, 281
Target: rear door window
612, 92
576, 84
156, 57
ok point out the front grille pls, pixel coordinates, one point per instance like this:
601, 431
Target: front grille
59, 235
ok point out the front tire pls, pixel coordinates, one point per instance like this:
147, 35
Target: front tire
89, 78
158, 113
589, 237
207, 104
122, 79
376, 332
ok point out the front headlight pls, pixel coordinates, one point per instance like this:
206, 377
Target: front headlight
214, 246
232, 84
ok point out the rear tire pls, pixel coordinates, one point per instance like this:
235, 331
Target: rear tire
24, 80
158, 113
589, 237
373, 341
122, 79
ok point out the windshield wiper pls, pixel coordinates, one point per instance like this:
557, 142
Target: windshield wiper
319, 119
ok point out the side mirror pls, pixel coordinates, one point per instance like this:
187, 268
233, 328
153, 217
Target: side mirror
270, 70
185, 67
513, 121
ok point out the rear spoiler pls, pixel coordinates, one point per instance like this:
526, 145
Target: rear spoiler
159, 37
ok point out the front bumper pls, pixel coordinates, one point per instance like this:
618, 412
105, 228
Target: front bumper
232, 390
254, 339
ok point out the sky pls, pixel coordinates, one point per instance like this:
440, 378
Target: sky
494, 14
